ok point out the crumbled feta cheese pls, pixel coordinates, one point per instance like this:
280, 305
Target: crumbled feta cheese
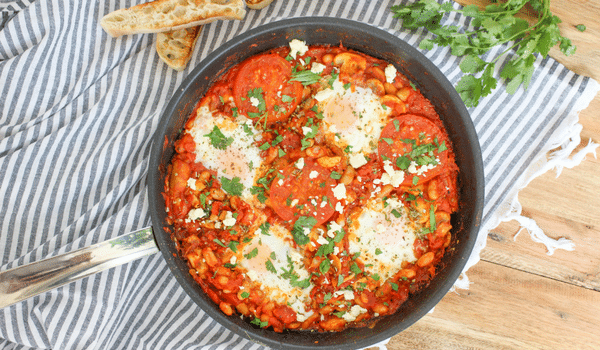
254, 101
348, 294
339, 208
339, 191
390, 73
317, 68
353, 313
196, 214
357, 160
191, 182
322, 240
229, 219
313, 174
391, 176
333, 228
297, 47
300, 163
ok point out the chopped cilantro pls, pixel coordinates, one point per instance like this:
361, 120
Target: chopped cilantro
354, 268
402, 162
303, 223
258, 94
325, 265
256, 321
233, 186
259, 192
264, 228
218, 241
218, 139
252, 254
306, 77
270, 266
233, 246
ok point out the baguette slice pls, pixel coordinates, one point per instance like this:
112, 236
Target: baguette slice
169, 15
258, 4
175, 47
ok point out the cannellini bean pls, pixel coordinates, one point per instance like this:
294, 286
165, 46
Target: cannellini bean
333, 324
327, 58
329, 162
350, 63
226, 308
407, 273
425, 259
348, 176
390, 89
217, 194
376, 86
315, 152
443, 228
385, 191
376, 72
404, 93
326, 310
209, 257
433, 190
380, 309
242, 308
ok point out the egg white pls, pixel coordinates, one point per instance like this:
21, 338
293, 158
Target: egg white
352, 117
240, 159
275, 246
384, 236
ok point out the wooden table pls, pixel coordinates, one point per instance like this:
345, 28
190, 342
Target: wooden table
520, 297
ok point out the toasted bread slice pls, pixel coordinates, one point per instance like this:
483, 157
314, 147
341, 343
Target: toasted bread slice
175, 47
169, 15
258, 4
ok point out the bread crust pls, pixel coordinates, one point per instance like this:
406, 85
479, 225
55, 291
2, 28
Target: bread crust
258, 4
170, 15
175, 48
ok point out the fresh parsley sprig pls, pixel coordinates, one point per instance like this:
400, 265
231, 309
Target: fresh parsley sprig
495, 25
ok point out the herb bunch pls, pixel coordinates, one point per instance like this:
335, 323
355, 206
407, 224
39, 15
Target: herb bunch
495, 25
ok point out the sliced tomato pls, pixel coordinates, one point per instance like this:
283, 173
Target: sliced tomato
303, 192
412, 138
262, 88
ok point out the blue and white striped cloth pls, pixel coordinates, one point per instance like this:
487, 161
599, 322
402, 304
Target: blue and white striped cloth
77, 112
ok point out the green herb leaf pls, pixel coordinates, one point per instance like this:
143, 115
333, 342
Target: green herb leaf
306, 77
233, 186
303, 223
270, 267
493, 26
252, 254
218, 139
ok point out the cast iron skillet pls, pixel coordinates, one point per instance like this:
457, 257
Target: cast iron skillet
431, 82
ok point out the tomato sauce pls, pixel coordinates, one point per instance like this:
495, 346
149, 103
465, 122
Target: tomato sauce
342, 148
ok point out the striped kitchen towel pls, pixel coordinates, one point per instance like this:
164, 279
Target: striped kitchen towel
78, 109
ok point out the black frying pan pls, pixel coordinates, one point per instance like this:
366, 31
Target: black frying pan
415, 66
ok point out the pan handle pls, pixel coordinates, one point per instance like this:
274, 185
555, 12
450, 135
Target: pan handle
38, 277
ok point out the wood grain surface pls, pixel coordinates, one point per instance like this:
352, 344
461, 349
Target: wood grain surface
521, 297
